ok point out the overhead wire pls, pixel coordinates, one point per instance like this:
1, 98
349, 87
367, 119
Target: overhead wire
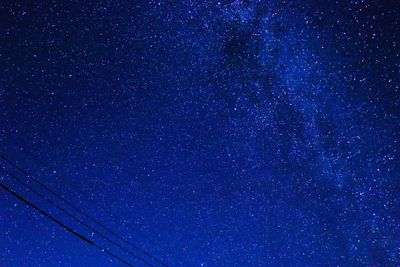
33, 157
72, 216
73, 206
70, 230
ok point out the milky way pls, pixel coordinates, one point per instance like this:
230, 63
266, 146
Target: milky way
230, 133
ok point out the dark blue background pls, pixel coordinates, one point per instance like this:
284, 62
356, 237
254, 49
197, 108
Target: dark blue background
233, 133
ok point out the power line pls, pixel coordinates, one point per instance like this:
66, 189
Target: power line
63, 225
29, 154
73, 216
46, 214
81, 211
112, 254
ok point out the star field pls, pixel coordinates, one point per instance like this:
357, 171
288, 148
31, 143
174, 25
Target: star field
230, 133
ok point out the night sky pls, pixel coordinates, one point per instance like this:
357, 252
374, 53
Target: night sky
230, 133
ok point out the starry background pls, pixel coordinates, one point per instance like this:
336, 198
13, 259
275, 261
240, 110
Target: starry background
231, 133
